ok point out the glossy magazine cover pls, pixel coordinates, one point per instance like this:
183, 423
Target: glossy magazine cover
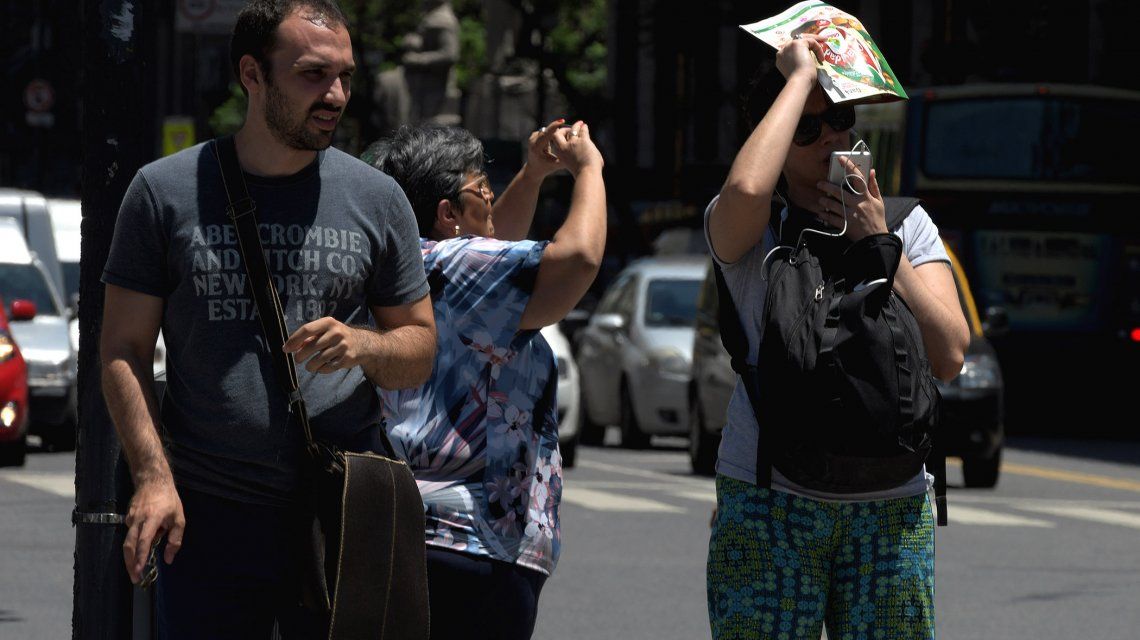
853, 68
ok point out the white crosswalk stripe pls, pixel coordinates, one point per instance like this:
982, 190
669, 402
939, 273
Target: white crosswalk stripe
617, 496
969, 515
698, 495
610, 501
60, 484
1095, 514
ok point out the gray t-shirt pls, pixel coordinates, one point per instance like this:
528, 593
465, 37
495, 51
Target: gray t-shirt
339, 236
737, 453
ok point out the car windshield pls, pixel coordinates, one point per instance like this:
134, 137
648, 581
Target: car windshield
1026, 138
26, 282
671, 303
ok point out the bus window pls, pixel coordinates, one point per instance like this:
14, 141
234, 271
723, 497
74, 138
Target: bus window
1025, 138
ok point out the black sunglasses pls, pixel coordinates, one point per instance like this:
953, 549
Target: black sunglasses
838, 117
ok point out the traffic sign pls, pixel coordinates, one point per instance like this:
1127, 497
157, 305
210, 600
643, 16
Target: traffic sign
39, 96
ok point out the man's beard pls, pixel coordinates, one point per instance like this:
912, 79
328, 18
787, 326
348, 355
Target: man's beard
295, 135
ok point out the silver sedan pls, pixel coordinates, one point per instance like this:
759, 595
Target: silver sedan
635, 355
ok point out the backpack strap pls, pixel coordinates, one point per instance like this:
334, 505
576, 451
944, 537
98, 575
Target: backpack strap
735, 341
898, 209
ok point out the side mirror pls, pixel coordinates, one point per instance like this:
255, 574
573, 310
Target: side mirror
996, 322
23, 310
609, 322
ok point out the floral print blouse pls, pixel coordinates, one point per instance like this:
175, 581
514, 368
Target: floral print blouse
481, 436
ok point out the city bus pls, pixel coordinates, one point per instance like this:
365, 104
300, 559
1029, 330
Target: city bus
1036, 187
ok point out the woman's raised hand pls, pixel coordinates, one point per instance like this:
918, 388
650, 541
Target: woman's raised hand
800, 56
539, 158
574, 148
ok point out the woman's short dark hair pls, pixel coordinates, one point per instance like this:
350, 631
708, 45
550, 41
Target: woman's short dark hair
759, 95
430, 163
255, 32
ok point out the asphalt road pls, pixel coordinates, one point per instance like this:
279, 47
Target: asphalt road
1052, 553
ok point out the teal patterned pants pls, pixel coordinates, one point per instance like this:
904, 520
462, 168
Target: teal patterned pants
780, 566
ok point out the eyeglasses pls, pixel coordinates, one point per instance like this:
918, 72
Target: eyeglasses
838, 117
480, 187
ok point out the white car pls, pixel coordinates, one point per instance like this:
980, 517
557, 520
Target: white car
43, 339
567, 394
635, 355
66, 216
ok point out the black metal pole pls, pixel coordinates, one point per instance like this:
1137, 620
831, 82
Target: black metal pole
118, 138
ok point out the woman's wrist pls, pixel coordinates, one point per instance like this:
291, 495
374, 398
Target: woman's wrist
804, 78
529, 173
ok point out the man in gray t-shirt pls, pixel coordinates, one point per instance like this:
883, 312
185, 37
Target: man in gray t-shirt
342, 248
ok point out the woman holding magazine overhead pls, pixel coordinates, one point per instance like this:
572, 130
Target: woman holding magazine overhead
481, 435
785, 556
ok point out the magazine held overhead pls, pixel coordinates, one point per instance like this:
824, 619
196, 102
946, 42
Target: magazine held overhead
853, 68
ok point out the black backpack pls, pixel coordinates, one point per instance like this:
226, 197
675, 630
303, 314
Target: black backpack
848, 403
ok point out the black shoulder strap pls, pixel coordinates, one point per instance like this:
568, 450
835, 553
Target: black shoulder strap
242, 212
732, 334
898, 209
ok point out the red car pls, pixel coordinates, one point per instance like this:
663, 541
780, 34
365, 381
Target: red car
13, 388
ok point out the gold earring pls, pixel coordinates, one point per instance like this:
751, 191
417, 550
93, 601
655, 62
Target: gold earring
456, 231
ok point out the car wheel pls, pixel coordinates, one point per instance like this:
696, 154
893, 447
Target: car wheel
589, 432
982, 472
632, 437
702, 444
13, 454
569, 451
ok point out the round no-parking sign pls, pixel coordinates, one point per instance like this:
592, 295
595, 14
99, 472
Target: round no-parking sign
39, 96
196, 10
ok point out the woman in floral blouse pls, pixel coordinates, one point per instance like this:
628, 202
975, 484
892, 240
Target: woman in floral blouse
482, 434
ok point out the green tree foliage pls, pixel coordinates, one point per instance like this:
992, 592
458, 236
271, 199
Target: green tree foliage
578, 42
573, 48
230, 115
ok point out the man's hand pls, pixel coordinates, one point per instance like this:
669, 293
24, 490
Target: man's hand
327, 345
156, 510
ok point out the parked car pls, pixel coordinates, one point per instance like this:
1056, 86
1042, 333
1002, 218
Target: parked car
973, 412
29, 210
66, 217
13, 388
635, 354
713, 381
43, 340
973, 404
567, 394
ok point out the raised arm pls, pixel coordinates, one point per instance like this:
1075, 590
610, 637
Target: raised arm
513, 210
131, 321
398, 355
741, 214
572, 259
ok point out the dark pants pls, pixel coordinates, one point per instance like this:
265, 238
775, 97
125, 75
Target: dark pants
480, 599
237, 572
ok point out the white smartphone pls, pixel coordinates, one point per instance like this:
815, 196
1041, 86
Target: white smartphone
837, 172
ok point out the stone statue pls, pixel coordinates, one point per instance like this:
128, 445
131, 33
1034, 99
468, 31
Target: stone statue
422, 88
